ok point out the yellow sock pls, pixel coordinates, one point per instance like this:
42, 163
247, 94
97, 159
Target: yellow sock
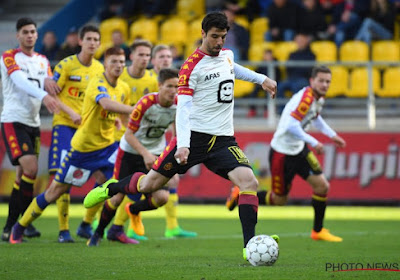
121, 216
63, 211
91, 213
31, 213
171, 211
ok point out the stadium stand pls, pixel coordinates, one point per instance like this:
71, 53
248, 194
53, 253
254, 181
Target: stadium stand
340, 81
391, 85
359, 82
109, 25
258, 27
325, 51
144, 28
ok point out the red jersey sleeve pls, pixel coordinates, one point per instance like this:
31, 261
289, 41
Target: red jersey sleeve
185, 73
139, 110
9, 61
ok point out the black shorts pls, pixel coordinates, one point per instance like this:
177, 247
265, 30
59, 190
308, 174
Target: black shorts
285, 167
20, 140
127, 163
220, 154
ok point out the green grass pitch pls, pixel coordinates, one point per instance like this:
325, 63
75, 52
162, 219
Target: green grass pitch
371, 239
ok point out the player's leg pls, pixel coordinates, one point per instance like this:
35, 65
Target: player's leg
244, 178
14, 209
116, 232
320, 187
128, 185
36, 208
23, 146
60, 145
310, 170
173, 229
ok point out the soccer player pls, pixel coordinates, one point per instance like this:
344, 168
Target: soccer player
290, 154
142, 143
161, 57
24, 74
93, 142
72, 75
204, 123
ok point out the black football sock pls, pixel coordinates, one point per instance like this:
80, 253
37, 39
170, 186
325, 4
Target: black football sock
248, 207
107, 214
319, 204
26, 191
262, 197
143, 205
13, 208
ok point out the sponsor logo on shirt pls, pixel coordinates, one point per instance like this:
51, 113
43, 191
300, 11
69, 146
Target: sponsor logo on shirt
75, 78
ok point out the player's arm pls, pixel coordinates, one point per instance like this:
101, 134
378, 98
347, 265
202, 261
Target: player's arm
113, 106
24, 85
75, 117
294, 128
148, 157
183, 127
245, 74
320, 124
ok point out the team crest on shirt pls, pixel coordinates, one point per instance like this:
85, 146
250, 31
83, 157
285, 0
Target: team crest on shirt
168, 166
8, 61
182, 80
25, 147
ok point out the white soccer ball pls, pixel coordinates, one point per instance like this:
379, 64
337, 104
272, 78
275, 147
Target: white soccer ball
262, 250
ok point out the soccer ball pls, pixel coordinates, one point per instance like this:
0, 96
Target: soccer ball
262, 250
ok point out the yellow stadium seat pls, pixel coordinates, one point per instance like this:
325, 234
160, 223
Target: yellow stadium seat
144, 28
359, 82
194, 31
109, 25
258, 27
284, 49
386, 51
357, 51
340, 81
325, 51
242, 88
174, 31
391, 85
191, 9
256, 51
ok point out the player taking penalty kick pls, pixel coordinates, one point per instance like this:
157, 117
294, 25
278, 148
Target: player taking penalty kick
93, 142
204, 124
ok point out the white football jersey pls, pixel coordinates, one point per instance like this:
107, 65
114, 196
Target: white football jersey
18, 106
210, 80
303, 107
149, 120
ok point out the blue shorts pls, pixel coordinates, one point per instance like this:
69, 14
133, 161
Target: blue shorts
61, 136
77, 167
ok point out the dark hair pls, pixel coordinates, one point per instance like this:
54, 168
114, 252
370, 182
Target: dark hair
140, 43
215, 19
319, 69
24, 21
114, 51
166, 74
158, 48
86, 29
